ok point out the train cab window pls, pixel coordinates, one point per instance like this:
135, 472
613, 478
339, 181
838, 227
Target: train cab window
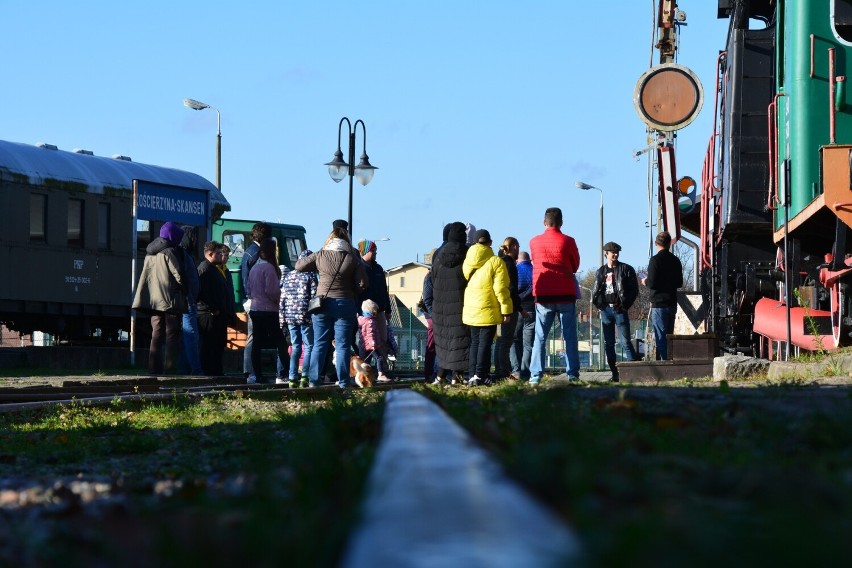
237, 243
103, 226
75, 222
294, 248
38, 217
842, 19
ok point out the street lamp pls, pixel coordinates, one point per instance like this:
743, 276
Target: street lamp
586, 187
338, 169
197, 105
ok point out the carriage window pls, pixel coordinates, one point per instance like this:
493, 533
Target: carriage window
103, 226
38, 217
842, 16
402, 281
75, 222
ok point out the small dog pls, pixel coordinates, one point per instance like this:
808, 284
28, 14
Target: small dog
364, 373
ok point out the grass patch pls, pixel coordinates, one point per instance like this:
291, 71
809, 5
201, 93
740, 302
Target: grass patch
229, 480
649, 475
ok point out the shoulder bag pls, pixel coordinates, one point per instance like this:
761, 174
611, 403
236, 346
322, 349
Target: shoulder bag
317, 303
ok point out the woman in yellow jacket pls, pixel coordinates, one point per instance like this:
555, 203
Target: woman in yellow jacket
487, 303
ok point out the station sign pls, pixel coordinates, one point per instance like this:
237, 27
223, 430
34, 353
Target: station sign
161, 202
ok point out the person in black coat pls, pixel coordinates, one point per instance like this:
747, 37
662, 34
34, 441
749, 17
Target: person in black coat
213, 310
452, 338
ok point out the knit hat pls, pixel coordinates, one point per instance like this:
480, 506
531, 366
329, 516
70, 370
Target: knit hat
457, 233
171, 232
369, 307
612, 247
340, 224
482, 237
365, 246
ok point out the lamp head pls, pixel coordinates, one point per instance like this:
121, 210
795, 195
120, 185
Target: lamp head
337, 168
582, 185
364, 170
195, 105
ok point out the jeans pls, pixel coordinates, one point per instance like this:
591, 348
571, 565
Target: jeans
165, 329
522, 346
481, 339
662, 320
544, 316
267, 333
190, 359
610, 319
502, 352
302, 340
337, 320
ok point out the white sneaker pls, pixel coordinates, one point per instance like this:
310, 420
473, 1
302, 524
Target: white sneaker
383, 378
280, 381
251, 380
474, 381
437, 381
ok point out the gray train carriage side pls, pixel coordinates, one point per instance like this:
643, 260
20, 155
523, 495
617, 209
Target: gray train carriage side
65, 238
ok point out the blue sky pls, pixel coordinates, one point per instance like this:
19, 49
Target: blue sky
483, 112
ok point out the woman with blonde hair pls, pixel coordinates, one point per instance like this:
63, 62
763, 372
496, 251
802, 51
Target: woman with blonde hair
508, 252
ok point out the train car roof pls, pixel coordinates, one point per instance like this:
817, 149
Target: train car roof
46, 165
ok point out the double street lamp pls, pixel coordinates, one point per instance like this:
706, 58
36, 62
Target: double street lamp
197, 105
338, 169
586, 187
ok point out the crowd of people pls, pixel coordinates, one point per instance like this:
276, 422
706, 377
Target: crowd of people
335, 303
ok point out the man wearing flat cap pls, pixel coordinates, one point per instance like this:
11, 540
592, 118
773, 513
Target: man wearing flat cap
615, 290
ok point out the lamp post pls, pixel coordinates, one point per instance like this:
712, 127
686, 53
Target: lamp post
338, 169
591, 339
586, 187
197, 105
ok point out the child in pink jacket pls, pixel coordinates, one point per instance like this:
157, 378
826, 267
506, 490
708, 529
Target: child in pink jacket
373, 338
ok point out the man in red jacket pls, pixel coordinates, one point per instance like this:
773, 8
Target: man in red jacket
555, 259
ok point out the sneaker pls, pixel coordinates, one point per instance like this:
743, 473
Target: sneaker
535, 380
251, 380
614, 378
437, 382
293, 383
487, 381
384, 378
458, 379
514, 377
474, 381
304, 383
280, 381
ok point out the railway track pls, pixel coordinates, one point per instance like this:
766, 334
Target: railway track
104, 391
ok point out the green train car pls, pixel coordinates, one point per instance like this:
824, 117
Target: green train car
777, 199
236, 233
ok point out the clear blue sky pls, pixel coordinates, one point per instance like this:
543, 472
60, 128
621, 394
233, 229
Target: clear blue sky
486, 112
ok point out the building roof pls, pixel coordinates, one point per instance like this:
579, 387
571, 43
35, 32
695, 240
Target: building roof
408, 265
402, 318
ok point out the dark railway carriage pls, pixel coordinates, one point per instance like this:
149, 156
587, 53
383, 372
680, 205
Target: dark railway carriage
65, 237
777, 197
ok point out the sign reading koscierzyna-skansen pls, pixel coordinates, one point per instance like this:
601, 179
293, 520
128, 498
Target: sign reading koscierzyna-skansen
161, 202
